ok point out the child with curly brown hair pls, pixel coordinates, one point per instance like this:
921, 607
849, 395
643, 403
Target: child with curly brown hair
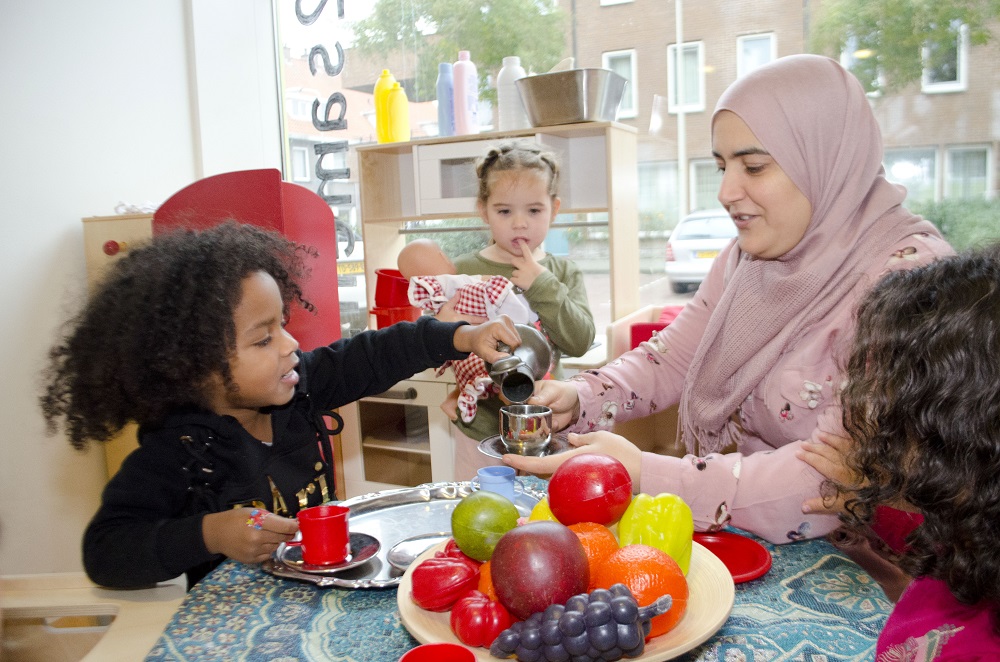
185, 336
922, 411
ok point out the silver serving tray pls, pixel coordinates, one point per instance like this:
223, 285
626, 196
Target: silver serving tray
394, 515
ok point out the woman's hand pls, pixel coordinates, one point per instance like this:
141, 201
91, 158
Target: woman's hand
604, 442
247, 535
825, 453
559, 396
482, 339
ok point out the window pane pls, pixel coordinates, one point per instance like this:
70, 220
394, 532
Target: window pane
693, 77
966, 174
705, 183
753, 52
622, 64
657, 195
914, 169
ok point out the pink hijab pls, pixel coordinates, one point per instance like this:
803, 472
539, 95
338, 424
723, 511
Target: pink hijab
813, 117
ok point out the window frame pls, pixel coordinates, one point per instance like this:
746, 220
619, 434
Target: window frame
672, 105
631, 89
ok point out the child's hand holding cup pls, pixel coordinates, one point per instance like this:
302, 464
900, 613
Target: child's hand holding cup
325, 539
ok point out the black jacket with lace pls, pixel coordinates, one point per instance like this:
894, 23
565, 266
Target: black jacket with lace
148, 527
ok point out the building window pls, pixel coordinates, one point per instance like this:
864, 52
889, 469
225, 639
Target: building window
860, 61
300, 164
623, 63
657, 201
605, 3
300, 108
966, 172
706, 180
693, 61
753, 51
945, 63
914, 168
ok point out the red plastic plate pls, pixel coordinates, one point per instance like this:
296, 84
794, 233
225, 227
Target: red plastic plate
746, 559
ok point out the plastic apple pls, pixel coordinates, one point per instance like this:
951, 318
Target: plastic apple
590, 487
536, 565
479, 520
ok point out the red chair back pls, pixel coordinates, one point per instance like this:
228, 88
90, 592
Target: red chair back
259, 197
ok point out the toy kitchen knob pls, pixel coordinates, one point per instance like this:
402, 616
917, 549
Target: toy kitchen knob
112, 247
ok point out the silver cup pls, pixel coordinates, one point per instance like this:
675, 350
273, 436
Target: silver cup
525, 429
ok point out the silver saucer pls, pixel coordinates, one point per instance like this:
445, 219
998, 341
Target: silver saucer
362, 548
494, 446
405, 551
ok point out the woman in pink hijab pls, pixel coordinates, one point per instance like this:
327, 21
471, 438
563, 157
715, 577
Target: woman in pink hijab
753, 358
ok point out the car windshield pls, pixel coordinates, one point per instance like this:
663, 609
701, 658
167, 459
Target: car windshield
716, 227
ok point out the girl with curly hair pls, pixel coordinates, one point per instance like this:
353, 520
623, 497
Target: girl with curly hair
185, 337
922, 411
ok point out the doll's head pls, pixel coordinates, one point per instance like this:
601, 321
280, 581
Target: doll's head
423, 257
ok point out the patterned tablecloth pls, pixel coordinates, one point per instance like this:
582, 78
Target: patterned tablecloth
814, 605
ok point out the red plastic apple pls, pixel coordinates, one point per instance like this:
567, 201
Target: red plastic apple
536, 565
590, 487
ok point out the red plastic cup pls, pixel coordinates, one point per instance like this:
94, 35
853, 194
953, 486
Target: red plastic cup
391, 289
325, 536
442, 652
388, 316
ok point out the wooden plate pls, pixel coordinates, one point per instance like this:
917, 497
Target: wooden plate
712, 594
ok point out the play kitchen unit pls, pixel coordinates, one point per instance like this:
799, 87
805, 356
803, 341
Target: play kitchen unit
401, 438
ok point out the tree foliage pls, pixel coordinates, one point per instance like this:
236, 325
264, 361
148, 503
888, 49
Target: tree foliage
897, 38
428, 32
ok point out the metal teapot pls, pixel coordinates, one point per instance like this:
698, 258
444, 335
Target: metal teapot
516, 374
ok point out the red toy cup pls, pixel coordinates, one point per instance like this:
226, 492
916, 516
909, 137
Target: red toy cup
325, 536
391, 288
388, 316
442, 652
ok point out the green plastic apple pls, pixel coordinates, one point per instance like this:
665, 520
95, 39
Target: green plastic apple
478, 522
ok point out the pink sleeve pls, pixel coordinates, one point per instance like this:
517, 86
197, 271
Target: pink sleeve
650, 377
761, 492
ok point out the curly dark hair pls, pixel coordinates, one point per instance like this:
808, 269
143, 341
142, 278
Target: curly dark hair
515, 155
922, 404
158, 325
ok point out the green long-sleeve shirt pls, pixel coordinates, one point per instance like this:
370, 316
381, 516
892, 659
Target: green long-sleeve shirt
559, 297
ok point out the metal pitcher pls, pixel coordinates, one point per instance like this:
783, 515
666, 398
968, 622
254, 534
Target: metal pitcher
516, 374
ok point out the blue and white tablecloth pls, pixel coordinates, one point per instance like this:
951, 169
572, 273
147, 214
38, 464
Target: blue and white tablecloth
814, 605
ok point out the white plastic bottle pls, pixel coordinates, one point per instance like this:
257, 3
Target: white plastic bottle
446, 99
466, 95
510, 109
381, 100
399, 114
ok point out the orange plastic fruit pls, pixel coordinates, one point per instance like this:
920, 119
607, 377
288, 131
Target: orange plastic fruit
649, 573
486, 582
598, 542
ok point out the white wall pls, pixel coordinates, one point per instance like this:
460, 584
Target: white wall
100, 102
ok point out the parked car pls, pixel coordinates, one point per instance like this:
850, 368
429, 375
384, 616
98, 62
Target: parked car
693, 245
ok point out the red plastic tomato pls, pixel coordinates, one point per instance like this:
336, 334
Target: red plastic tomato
476, 620
590, 487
